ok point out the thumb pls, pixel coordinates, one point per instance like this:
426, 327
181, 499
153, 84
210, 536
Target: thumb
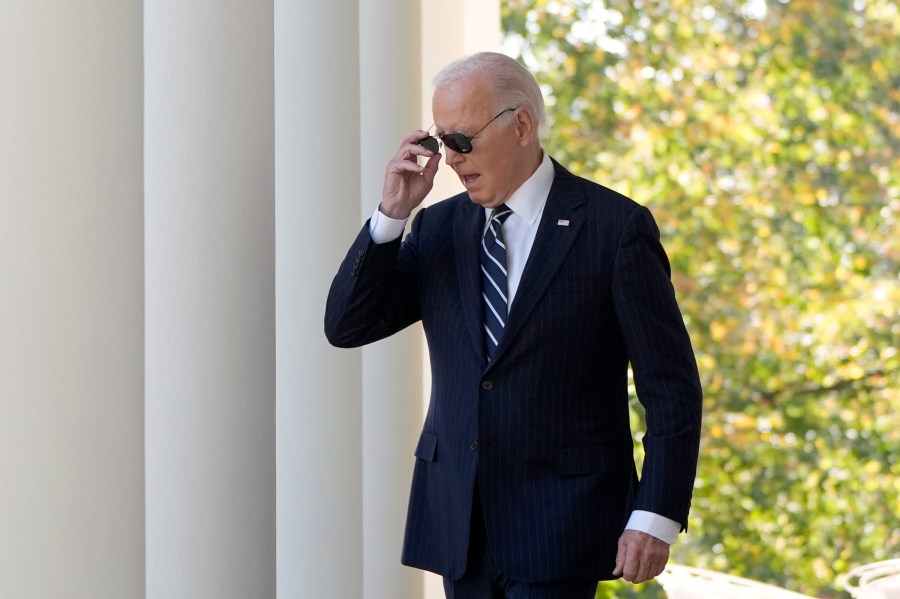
431, 167
620, 559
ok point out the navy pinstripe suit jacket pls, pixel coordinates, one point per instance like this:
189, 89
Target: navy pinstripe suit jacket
545, 425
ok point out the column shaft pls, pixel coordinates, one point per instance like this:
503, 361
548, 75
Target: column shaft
319, 451
210, 297
390, 60
71, 305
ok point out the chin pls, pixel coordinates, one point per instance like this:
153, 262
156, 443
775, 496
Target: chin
490, 204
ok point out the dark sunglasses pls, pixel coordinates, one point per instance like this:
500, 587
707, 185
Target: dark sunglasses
456, 141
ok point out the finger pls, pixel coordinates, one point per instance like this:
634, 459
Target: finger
657, 564
410, 146
660, 567
414, 137
631, 563
651, 571
408, 155
417, 149
643, 570
409, 152
400, 167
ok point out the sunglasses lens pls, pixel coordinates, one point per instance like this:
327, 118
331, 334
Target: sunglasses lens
457, 142
430, 143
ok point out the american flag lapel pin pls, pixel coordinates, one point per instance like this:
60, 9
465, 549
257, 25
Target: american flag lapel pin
563, 222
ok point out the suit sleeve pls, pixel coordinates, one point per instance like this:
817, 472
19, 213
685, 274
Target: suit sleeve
665, 371
374, 293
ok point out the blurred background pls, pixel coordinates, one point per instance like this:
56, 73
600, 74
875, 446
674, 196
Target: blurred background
765, 137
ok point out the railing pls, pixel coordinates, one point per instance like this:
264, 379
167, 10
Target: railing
685, 582
878, 580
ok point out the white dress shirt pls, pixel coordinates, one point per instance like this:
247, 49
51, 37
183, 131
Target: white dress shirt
519, 231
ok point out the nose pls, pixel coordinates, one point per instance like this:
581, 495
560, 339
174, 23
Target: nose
451, 157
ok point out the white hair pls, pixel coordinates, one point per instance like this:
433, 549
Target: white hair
512, 83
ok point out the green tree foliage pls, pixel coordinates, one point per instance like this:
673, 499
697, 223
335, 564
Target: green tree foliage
765, 137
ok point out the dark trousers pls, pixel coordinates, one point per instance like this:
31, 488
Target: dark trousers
483, 579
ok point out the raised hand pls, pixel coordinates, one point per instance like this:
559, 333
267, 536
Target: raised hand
406, 183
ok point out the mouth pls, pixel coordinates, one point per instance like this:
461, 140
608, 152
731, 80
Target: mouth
469, 180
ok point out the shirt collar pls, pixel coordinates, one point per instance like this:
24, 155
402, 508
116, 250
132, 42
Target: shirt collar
528, 200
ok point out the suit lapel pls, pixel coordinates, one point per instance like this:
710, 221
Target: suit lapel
560, 225
467, 230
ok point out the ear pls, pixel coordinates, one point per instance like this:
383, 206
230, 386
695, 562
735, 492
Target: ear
526, 126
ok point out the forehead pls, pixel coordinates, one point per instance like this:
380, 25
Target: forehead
463, 104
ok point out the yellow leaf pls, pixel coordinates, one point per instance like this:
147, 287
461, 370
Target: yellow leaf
718, 331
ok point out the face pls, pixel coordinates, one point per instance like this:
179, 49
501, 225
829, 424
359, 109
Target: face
499, 161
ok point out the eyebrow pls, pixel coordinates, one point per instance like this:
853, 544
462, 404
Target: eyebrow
439, 131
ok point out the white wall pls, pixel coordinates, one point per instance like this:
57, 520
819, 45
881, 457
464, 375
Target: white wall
71, 284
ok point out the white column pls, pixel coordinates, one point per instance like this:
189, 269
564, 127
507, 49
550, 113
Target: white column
390, 61
210, 299
71, 305
319, 423
451, 30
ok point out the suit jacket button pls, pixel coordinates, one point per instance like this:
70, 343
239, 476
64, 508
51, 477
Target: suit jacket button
473, 445
487, 385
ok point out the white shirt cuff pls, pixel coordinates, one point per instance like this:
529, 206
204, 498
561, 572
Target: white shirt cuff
383, 229
662, 528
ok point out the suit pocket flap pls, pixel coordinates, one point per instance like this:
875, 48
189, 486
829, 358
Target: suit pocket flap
427, 446
574, 461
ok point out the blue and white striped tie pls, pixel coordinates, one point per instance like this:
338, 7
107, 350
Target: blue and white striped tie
493, 279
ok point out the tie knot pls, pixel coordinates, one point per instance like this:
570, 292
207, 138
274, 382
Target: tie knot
501, 213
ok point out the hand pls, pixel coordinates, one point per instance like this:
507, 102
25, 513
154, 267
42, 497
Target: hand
641, 557
405, 182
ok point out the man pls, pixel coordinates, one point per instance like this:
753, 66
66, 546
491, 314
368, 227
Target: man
536, 289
